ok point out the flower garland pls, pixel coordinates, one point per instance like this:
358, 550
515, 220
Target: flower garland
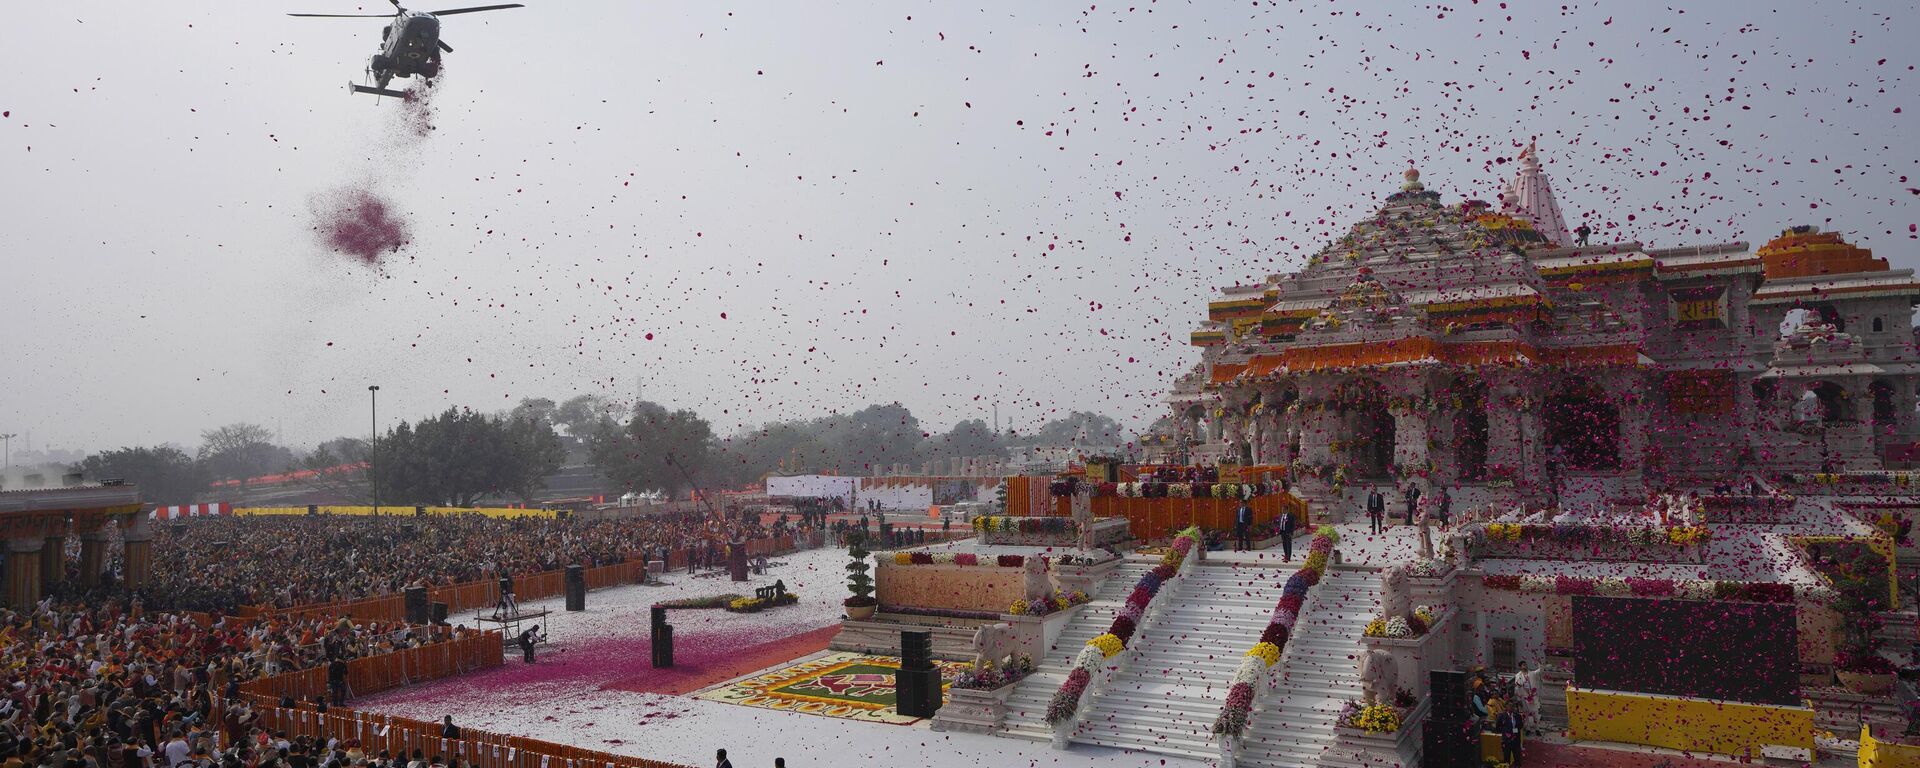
1634, 586
1266, 653
1407, 627
957, 558
1056, 525
756, 605
1059, 601
1066, 700
1372, 718
1640, 535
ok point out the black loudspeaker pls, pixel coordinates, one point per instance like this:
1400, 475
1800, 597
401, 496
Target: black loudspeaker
916, 650
917, 692
439, 613
662, 639
1450, 745
1449, 691
313, 509
576, 588
419, 609
419, 511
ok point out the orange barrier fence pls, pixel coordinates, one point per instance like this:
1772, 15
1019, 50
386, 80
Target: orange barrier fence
400, 736
373, 674
485, 594
1151, 518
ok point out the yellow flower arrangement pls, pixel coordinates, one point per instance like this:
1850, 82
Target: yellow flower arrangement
1377, 718
1687, 535
902, 558
1425, 616
1316, 561
1376, 628
1508, 531
1019, 607
1266, 652
742, 603
1108, 645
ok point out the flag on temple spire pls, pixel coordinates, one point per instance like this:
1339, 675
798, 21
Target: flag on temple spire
1529, 196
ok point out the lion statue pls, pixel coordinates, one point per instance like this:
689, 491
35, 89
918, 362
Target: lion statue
1038, 586
992, 644
1396, 599
1378, 677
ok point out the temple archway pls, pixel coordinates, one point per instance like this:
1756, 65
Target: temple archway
1583, 428
1882, 394
1470, 433
1835, 404
1369, 428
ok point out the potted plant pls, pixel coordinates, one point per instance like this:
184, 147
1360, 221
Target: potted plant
861, 605
1858, 662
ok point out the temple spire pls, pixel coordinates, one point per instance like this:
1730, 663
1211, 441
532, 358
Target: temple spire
1529, 196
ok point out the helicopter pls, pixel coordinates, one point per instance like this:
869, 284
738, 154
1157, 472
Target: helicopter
410, 45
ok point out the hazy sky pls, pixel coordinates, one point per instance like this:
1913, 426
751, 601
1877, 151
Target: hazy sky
766, 210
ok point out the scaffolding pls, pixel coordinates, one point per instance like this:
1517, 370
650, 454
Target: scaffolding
513, 623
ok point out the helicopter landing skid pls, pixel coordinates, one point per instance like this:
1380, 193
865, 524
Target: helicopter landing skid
357, 88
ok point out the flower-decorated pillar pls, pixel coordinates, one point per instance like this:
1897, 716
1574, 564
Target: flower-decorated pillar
93, 555
24, 579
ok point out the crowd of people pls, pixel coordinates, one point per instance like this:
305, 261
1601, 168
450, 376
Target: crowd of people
101, 682
216, 565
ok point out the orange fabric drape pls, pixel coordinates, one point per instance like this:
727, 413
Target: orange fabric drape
1153, 518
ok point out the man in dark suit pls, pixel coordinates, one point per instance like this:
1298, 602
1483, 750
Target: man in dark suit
1286, 535
1412, 497
1376, 509
1508, 725
1243, 527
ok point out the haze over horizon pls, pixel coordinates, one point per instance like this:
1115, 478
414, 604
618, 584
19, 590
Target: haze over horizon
771, 211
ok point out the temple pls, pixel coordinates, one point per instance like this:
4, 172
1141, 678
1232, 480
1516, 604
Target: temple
1490, 347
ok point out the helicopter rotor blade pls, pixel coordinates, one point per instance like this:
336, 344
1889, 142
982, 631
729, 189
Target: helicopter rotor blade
477, 9
445, 47
343, 15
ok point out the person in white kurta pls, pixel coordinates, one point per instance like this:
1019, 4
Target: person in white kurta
1526, 688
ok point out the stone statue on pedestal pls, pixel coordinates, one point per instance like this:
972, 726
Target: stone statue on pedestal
1426, 536
1378, 677
1395, 597
1083, 515
992, 644
1457, 548
1037, 586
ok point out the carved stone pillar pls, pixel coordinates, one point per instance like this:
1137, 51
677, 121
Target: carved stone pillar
24, 577
1409, 437
137, 561
53, 560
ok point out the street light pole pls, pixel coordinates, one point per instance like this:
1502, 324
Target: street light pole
373, 392
8, 439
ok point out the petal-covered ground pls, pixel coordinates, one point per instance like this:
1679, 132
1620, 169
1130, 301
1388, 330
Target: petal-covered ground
594, 685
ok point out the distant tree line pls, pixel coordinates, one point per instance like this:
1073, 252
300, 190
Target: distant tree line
460, 456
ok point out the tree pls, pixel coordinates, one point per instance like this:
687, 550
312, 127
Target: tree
165, 475
240, 451
858, 582
968, 438
534, 452
461, 456
536, 408
338, 468
1087, 429
658, 450
874, 436
588, 416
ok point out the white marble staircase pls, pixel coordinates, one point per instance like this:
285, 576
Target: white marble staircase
1026, 713
1293, 723
1171, 689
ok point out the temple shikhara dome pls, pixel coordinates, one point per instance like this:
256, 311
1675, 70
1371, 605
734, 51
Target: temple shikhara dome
1468, 341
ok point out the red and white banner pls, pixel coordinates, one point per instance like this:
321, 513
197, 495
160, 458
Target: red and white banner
192, 510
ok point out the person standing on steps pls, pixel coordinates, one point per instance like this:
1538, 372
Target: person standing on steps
1286, 535
1446, 507
720, 760
1376, 509
1243, 527
1412, 496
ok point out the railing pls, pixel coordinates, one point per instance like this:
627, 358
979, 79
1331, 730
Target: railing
400, 735
484, 594
373, 674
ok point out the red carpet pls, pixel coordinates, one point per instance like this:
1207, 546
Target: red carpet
696, 670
